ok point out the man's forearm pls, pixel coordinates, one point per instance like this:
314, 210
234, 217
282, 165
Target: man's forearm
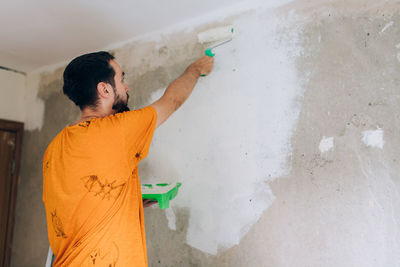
180, 89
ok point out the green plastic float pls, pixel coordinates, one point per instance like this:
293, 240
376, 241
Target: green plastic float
162, 193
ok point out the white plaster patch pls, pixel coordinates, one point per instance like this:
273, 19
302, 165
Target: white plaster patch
373, 138
326, 144
233, 133
12, 91
169, 213
387, 26
34, 115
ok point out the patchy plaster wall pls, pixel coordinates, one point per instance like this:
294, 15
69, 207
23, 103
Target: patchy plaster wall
338, 207
49, 112
12, 87
232, 135
310, 92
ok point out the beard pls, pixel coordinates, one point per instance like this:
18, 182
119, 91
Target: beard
120, 105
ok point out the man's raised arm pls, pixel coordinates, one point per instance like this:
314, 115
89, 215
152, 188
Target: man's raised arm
180, 89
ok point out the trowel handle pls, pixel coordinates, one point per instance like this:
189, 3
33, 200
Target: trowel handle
209, 53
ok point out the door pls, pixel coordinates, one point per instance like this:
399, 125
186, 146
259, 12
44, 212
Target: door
10, 148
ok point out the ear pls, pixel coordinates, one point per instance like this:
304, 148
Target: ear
104, 90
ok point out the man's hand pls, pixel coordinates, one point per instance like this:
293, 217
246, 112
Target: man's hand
202, 66
148, 203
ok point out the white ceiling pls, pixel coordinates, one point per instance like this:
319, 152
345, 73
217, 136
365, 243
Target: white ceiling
36, 33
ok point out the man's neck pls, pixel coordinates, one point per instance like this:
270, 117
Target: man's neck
88, 113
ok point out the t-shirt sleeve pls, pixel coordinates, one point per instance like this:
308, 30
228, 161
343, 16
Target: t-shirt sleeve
138, 127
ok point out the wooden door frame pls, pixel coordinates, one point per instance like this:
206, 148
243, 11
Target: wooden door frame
18, 129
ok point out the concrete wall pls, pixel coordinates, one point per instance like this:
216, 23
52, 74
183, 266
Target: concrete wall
12, 88
288, 151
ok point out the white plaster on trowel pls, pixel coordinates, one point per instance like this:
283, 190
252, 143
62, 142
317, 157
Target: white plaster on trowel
157, 189
34, 114
233, 133
373, 138
326, 144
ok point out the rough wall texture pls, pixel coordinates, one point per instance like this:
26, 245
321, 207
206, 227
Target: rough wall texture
338, 208
12, 89
30, 235
337, 204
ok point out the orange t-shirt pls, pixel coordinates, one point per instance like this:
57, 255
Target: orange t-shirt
91, 190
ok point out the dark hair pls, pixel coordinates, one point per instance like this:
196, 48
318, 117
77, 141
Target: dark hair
82, 75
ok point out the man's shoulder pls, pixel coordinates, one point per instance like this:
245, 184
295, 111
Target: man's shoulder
146, 113
55, 140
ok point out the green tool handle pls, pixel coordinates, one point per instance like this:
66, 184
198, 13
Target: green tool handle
209, 53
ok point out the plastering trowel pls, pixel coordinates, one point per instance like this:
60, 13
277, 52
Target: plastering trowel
162, 193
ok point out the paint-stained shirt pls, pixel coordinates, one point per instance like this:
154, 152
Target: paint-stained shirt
91, 190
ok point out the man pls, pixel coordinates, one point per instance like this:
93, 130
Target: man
91, 187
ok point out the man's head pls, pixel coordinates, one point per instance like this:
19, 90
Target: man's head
94, 80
